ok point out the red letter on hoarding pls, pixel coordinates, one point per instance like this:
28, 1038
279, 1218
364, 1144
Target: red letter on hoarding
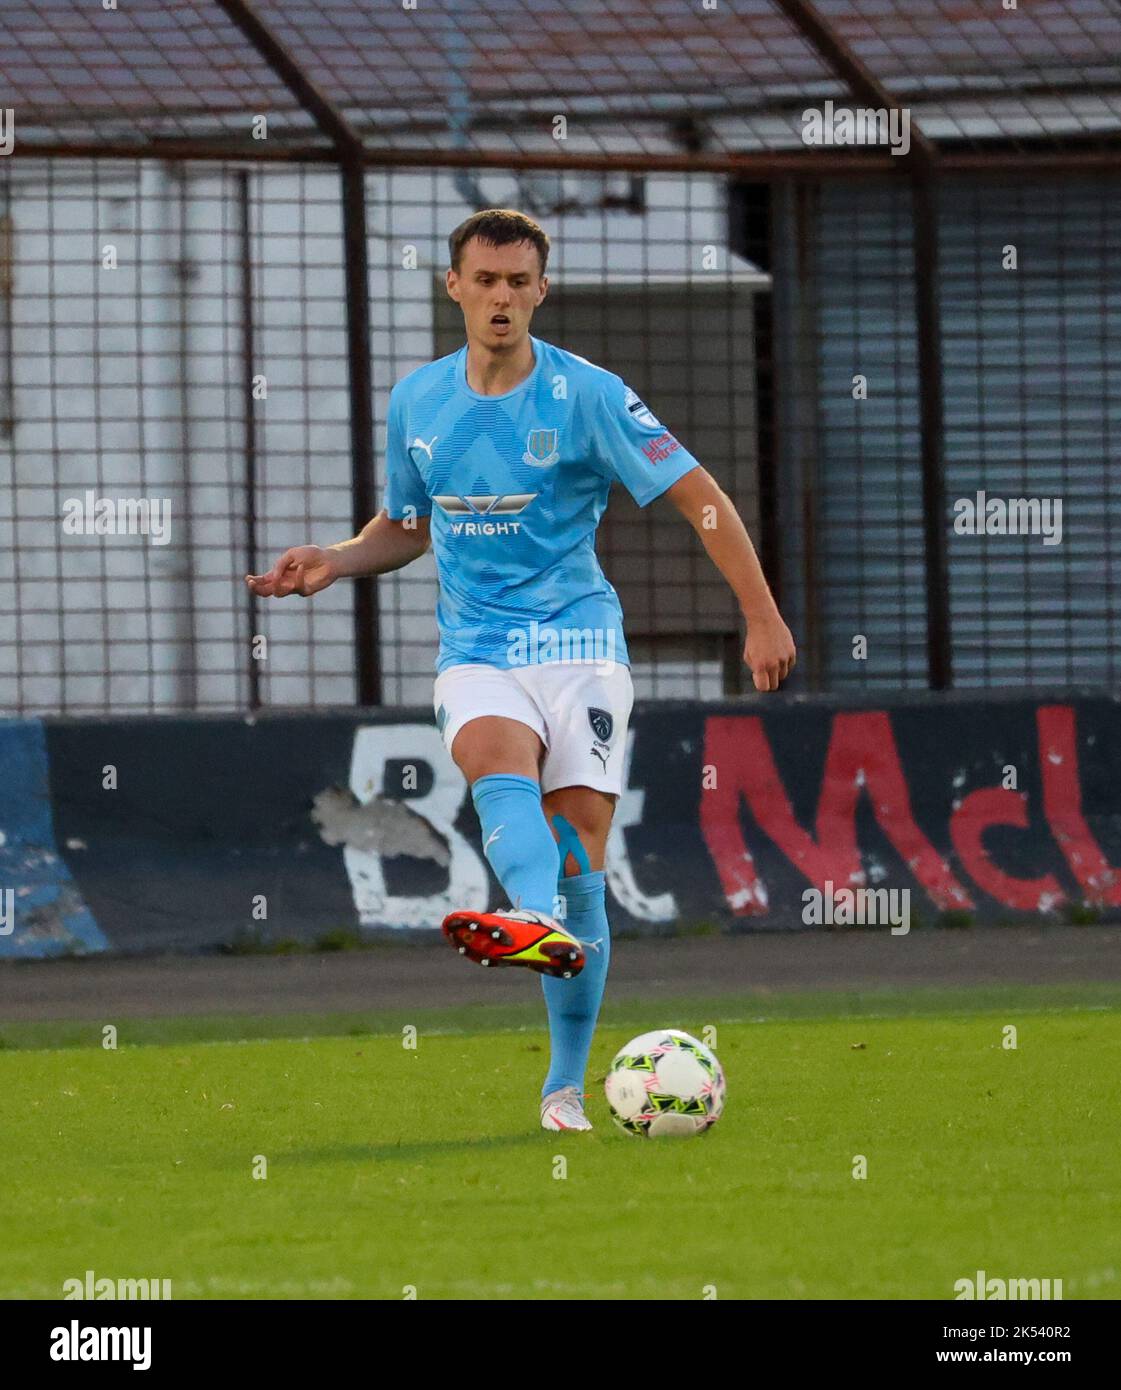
998, 806
862, 756
1062, 805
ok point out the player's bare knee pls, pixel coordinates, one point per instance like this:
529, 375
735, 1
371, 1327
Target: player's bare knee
581, 841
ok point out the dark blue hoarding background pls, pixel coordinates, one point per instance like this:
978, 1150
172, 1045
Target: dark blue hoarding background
181, 834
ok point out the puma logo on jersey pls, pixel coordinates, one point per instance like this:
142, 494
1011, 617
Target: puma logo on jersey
419, 443
493, 836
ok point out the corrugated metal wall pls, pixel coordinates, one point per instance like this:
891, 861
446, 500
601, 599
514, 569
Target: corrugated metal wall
1032, 366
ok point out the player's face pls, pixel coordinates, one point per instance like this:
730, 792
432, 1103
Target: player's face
498, 288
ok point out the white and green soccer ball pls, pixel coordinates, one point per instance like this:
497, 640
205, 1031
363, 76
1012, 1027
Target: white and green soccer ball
664, 1084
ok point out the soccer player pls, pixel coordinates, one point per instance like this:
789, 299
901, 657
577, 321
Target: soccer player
500, 456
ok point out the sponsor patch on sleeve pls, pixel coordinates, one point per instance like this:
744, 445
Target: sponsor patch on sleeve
658, 449
639, 411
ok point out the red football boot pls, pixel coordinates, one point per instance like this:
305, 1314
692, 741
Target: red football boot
516, 937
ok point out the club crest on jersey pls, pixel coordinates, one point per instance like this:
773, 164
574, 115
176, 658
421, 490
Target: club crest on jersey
541, 448
601, 723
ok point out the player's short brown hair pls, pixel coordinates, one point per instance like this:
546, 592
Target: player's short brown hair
499, 227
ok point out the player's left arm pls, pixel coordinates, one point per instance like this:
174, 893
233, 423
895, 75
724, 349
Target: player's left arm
769, 650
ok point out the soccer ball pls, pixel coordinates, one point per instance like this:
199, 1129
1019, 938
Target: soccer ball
665, 1083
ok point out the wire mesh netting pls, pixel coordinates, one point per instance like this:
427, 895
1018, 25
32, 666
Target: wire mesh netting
178, 244
1031, 328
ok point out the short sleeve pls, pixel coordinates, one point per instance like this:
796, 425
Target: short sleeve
404, 487
634, 446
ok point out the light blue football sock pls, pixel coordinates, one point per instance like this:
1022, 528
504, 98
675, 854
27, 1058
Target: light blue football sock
574, 1004
517, 840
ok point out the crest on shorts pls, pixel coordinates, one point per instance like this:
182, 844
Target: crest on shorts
601, 723
541, 448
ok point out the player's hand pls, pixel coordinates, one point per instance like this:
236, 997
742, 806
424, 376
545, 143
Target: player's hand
769, 652
304, 570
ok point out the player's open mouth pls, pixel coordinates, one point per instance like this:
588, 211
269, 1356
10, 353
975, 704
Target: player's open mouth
500, 323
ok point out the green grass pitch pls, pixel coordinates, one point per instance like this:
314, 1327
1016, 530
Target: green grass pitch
390, 1169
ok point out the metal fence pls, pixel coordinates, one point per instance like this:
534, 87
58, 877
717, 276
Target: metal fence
222, 240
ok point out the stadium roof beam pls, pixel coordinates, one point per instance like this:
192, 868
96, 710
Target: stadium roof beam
863, 84
991, 158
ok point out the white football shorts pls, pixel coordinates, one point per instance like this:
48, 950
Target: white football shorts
579, 710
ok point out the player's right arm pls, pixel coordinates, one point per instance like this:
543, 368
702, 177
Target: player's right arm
381, 546
397, 536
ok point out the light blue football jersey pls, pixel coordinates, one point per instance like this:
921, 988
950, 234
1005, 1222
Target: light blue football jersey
515, 486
